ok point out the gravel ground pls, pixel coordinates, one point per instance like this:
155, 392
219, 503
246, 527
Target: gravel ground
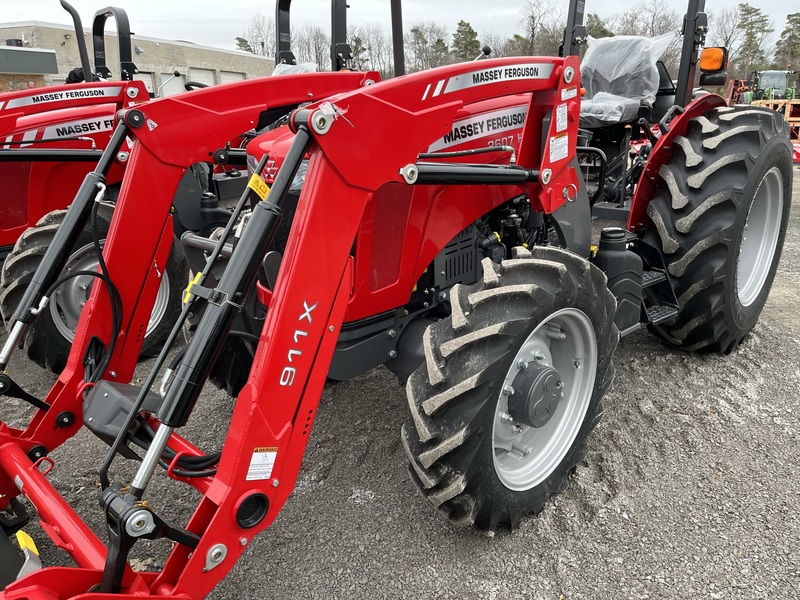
688, 489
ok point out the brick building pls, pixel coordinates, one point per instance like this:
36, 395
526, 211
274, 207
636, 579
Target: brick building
23, 68
44, 53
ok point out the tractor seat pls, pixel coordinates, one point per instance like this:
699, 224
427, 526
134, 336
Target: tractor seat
620, 77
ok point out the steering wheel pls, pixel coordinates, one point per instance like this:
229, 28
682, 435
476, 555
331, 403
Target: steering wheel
194, 85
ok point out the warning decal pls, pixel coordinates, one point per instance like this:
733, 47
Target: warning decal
261, 463
570, 92
258, 186
561, 117
559, 147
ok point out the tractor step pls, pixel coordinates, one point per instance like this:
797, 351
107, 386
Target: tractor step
659, 314
651, 278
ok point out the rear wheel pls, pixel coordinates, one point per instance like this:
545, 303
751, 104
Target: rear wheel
511, 387
49, 339
720, 216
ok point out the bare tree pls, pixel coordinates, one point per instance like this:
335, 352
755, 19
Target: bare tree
259, 37
725, 30
534, 13
380, 50
426, 46
496, 42
312, 44
544, 26
650, 19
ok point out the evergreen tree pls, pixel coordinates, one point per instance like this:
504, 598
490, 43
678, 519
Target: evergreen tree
244, 45
596, 27
755, 27
465, 42
787, 49
518, 45
359, 52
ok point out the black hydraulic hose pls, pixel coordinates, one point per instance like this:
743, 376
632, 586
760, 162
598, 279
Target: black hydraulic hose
114, 298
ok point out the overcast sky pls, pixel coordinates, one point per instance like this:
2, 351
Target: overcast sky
215, 23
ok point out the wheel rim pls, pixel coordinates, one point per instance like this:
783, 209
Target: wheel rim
524, 456
760, 237
68, 300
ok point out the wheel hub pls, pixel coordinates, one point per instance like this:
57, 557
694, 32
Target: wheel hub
537, 392
534, 424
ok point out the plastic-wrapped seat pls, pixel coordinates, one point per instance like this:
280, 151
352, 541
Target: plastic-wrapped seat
620, 76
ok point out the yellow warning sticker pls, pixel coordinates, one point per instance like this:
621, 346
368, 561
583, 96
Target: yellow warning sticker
258, 186
188, 291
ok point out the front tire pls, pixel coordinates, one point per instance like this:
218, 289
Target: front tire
720, 214
49, 338
490, 436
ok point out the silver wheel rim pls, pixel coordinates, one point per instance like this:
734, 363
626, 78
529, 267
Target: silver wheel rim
760, 237
68, 300
525, 456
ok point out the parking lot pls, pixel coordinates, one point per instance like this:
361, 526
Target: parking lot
689, 489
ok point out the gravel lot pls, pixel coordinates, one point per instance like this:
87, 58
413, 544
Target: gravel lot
688, 491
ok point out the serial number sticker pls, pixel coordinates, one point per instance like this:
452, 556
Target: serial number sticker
569, 92
258, 186
559, 147
561, 117
261, 463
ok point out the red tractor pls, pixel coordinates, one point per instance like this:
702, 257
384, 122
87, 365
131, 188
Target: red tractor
458, 255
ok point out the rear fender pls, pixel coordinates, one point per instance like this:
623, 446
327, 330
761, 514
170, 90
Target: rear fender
662, 153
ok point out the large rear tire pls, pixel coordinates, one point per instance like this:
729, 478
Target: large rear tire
511, 387
720, 214
49, 339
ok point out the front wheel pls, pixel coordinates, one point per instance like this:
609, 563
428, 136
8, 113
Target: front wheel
511, 387
49, 338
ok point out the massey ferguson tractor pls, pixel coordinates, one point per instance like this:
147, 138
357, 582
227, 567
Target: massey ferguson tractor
437, 223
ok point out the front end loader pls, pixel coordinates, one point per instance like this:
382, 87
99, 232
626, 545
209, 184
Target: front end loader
438, 223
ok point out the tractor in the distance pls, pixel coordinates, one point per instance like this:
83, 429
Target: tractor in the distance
439, 224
